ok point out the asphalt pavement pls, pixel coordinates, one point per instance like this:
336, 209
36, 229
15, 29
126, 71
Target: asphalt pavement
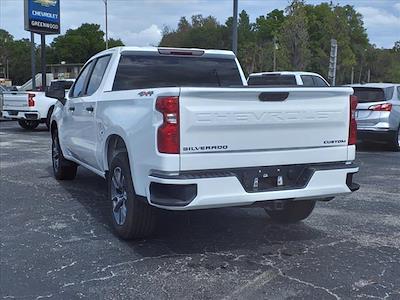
56, 241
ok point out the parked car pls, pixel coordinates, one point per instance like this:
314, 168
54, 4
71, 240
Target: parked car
2, 90
30, 108
378, 113
287, 78
178, 129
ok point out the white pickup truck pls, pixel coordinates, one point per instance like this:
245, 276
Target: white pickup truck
179, 129
30, 108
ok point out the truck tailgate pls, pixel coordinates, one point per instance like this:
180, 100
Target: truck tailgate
15, 100
242, 127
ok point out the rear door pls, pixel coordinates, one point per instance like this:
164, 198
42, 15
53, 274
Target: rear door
239, 123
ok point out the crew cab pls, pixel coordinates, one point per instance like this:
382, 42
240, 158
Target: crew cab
30, 108
287, 78
179, 129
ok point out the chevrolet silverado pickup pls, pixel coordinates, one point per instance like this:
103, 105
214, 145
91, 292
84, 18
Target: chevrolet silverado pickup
179, 129
30, 108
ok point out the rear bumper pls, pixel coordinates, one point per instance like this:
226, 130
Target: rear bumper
187, 191
21, 114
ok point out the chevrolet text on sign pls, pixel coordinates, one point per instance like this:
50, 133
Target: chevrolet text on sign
42, 16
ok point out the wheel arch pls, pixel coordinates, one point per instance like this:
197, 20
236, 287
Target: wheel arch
114, 144
51, 107
53, 127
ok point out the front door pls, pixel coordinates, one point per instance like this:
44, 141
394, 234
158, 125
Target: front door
69, 132
84, 126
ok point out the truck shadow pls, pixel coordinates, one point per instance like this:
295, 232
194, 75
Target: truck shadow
373, 147
10, 126
211, 230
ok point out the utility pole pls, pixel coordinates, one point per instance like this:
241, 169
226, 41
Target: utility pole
7, 70
352, 75
234, 27
106, 16
275, 48
43, 59
33, 61
369, 75
332, 62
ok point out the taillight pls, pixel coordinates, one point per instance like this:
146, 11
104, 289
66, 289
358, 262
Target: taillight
352, 122
31, 100
168, 140
381, 107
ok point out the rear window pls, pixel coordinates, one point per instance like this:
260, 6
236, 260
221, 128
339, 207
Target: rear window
369, 94
151, 71
272, 79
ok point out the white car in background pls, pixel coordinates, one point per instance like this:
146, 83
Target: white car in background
287, 78
30, 108
378, 113
2, 90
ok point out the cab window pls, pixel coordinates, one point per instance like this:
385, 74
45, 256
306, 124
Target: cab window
272, 79
97, 74
318, 81
307, 80
79, 86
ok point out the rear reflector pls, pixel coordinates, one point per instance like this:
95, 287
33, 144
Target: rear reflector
381, 107
31, 100
168, 140
352, 120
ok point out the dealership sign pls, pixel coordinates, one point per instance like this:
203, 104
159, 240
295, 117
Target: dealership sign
42, 16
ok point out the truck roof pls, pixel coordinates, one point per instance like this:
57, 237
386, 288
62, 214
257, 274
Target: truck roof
206, 52
285, 73
374, 85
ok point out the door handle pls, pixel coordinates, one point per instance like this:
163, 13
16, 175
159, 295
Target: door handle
71, 108
90, 108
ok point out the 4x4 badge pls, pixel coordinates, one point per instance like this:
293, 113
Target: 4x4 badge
146, 93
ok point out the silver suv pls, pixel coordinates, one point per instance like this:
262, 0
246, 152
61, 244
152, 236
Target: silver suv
378, 112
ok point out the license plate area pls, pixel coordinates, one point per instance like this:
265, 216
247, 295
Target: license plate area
275, 178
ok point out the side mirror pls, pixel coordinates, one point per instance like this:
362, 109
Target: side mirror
56, 92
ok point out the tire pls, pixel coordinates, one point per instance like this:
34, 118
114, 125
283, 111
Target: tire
132, 217
63, 169
48, 118
292, 212
395, 141
28, 124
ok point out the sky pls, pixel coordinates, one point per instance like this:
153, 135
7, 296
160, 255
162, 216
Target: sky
140, 22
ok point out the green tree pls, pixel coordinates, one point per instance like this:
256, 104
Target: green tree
17, 55
20, 61
294, 38
268, 27
78, 45
115, 43
6, 39
202, 32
